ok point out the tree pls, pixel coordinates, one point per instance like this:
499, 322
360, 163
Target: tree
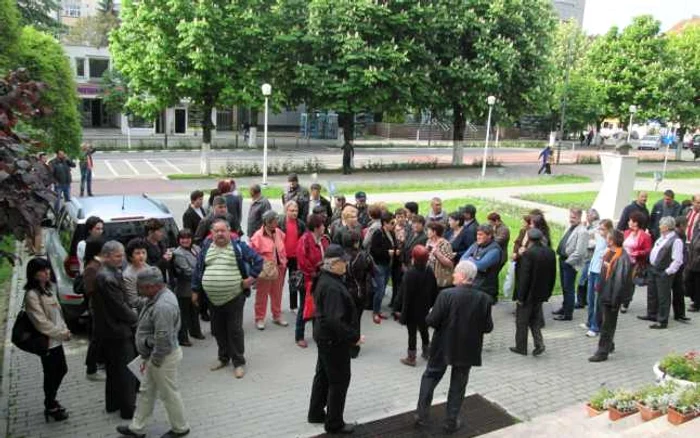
25, 185
41, 14
93, 30
682, 84
358, 54
45, 62
200, 52
107, 7
631, 66
479, 48
9, 34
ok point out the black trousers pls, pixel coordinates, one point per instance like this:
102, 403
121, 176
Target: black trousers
294, 294
204, 306
94, 354
659, 294
412, 328
606, 342
54, 365
227, 325
396, 279
189, 319
455, 396
528, 316
692, 286
330, 386
678, 288
120, 388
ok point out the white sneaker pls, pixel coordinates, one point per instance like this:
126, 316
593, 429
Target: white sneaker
260, 325
591, 334
584, 326
98, 376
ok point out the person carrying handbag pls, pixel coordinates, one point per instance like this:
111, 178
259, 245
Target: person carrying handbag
44, 311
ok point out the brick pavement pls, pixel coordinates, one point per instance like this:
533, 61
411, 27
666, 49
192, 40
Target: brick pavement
271, 401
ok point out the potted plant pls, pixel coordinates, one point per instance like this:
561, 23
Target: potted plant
682, 369
596, 404
653, 400
685, 406
623, 403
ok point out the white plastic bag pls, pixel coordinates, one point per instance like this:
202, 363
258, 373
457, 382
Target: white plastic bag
509, 282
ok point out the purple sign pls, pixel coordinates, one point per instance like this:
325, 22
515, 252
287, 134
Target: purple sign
89, 89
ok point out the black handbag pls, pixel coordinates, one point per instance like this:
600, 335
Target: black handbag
26, 337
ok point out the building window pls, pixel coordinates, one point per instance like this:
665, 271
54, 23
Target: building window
98, 67
80, 67
71, 8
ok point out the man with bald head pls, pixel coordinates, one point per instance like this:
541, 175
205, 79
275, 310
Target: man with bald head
692, 269
640, 205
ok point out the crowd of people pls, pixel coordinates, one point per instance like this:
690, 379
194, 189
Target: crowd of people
337, 260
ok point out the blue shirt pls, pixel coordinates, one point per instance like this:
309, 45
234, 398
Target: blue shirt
597, 258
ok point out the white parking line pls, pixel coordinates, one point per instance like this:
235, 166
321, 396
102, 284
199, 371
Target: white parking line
177, 169
131, 166
153, 167
111, 169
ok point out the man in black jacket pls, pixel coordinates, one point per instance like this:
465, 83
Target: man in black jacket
195, 212
61, 171
470, 224
640, 205
113, 322
537, 273
316, 200
295, 193
461, 315
219, 211
666, 207
336, 331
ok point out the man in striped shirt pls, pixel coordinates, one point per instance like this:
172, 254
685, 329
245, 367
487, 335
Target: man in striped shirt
226, 269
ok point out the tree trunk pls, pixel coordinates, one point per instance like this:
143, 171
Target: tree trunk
207, 126
458, 125
253, 136
347, 122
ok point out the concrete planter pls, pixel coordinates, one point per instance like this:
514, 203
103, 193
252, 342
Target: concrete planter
662, 377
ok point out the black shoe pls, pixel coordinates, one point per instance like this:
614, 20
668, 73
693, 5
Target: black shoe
598, 358
558, 312
579, 306
538, 351
612, 349
198, 336
659, 326
347, 429
420, 422
173, 434
646, 318
58, 414
125, 431
451, 427
563, 318
516, 351
681, 318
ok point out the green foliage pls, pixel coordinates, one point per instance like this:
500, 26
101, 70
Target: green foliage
115, 91
597, 400
92, 30
45, 61
683, 84
40, 13
657, 397
688, 401
683, 367
584, 200
313, 165
9, 34
622, 400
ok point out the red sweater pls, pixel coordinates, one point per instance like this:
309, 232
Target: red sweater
291, 238
309, 255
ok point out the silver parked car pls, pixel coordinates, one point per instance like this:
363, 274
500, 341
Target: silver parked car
652, 142
124, 218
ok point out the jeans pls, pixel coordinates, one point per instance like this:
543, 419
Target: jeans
62, 191
381, 279
85, 179
455, 396
227, 321
593, 280
161, 381
567, 278
330, 386
54, 365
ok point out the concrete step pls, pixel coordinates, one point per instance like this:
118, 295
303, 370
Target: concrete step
602, 423
661, 428
573, 419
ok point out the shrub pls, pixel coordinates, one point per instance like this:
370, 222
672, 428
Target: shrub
587, 159
685, 367
490, 162
312, 165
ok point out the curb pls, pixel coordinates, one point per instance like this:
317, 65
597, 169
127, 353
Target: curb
9, 350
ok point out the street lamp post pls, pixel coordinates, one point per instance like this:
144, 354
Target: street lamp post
491, 100
266, 91
633, 109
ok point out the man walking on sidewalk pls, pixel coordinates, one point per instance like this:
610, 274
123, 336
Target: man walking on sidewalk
156, 342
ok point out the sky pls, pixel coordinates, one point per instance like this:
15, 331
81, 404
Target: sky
600, 15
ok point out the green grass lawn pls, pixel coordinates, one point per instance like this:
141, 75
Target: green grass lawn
275, 192
674, 174
584, 200
510, 214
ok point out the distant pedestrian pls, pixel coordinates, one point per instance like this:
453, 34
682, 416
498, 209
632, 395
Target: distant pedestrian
195, 212
156, 342
61, 170
572, 251
336, 332
536, 277
546, 160
418, 292
184, 263
226, 269
258, 206
461, 316
616, 287
268, 242
86, 166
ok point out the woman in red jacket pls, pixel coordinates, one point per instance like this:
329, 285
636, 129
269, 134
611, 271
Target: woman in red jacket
310, 251
638, 245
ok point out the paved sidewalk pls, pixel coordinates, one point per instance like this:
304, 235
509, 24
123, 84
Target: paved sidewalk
272, 399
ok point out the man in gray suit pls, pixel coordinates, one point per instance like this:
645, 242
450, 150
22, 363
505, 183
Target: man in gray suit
572, 252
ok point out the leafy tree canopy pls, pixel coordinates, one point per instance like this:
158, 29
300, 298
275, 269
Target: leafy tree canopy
40, 14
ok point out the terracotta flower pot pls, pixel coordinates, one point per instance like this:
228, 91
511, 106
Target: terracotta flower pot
615, 414
648, 413
593, 412
676, 418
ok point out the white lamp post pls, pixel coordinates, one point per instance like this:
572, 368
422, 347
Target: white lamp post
633, 109
266, 91
491, 100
